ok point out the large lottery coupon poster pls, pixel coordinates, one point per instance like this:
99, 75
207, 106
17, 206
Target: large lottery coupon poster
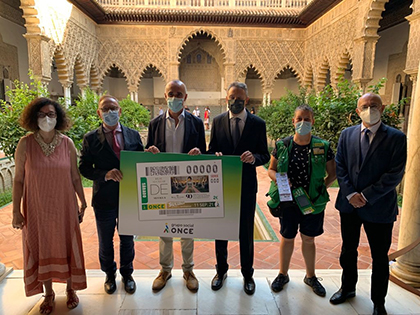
168, 194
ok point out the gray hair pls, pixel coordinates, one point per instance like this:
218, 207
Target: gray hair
239, 85
305, 107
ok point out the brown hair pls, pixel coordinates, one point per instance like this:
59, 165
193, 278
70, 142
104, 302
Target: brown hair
29, 118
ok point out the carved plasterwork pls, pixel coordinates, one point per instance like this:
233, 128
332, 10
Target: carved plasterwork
132, 57
269, 57
326, 46
9, 60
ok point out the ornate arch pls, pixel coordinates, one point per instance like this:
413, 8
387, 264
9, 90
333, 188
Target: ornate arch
95, 80
295, 72
341, 65
62, 65
153, 66
201, 31
373, 17
107, 68
309, 77
322, 75
79, 69
30, 14
242, 75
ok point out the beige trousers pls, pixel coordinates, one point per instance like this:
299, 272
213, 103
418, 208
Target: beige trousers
166, 253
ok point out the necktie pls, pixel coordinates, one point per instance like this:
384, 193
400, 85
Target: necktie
364, 145
115, 146
236, 133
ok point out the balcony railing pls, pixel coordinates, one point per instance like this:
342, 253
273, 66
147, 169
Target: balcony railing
295, 4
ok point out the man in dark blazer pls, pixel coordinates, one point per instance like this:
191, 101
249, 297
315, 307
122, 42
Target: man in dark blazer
176, 131
238, 132
370, 160
100, 162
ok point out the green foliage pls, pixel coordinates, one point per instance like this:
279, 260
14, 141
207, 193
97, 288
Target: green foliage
20, 96
334, 110
133, 114
5, 197
84, 117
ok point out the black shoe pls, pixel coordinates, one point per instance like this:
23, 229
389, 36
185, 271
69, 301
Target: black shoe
217, 281
278, 283
129, 284
341, 296
249, 286
110, 286
315, 285
379, 309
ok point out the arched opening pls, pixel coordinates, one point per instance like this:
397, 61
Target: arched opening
286, 80
391, 48
54, 86
324, 76
344, 68
114, 83
151, 90
201, 69
95, 82
309, 81
253, 80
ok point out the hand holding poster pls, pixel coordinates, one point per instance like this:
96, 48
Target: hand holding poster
169, 194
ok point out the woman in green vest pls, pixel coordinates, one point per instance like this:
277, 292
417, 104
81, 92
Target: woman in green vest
304, 163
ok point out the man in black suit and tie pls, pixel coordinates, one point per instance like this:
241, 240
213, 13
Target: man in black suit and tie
238, 132
100, 162
176, 131
370, 164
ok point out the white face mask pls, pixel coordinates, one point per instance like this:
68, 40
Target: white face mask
47, 124
370, 115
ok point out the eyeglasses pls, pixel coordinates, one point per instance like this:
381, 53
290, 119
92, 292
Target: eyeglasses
106, 109
49, 114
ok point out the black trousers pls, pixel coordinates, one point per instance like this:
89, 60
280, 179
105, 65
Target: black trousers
246, 239
379, 237
106, 222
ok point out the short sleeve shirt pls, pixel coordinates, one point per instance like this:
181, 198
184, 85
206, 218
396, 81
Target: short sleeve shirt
298, 170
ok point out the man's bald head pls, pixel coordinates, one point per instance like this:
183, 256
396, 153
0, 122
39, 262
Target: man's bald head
370, 98
175, 88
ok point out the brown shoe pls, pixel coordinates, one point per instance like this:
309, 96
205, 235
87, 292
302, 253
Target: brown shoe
161, 280
191, 281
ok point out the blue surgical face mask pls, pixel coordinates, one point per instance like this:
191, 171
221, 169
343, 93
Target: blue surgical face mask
175, 104
111, 117
303, 127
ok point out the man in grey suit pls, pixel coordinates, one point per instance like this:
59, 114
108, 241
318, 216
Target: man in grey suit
370, 160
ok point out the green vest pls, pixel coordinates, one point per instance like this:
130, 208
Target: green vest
317, 169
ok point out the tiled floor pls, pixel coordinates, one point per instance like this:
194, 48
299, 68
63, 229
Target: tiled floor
266, 253
175, 299
297, 298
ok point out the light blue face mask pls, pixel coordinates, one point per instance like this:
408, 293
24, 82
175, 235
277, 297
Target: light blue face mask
175, 104
111, 117
303, 127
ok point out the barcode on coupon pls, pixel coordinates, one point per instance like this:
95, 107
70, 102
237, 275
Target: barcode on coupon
162, 170
179, 211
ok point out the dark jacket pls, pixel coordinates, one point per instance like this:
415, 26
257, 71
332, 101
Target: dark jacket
193, 135
97, 158
253, 139
378, 176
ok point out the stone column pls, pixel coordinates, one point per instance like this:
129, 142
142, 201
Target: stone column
364, 59
67, 92
268, 99
134, 96
39, 57
265, 99
407, 267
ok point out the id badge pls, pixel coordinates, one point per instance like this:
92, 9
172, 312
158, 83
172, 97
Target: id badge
303, 201
284, 187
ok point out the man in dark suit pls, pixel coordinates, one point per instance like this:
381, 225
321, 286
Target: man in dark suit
176, 131
238, 132
100, 162
370, 164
